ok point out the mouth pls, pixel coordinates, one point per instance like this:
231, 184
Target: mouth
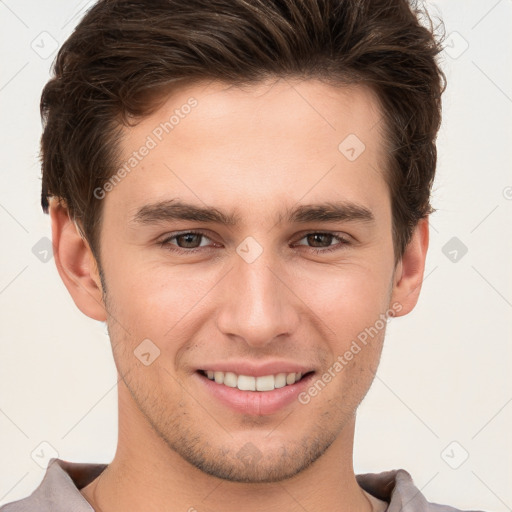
254, 389
262, 383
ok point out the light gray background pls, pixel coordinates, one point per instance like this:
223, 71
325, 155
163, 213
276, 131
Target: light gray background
443, 390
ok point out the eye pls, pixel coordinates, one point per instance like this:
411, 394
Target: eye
325, 239
186, 241
192, 241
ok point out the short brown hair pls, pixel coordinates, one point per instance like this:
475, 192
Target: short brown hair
124, 53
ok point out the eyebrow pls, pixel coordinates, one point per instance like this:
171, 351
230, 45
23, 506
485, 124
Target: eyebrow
175, 209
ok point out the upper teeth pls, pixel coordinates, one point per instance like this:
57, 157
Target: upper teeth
249, 383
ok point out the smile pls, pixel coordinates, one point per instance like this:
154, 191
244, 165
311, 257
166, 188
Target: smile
251, 383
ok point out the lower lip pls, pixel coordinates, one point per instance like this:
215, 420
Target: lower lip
256, 403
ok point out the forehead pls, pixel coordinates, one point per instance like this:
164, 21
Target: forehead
257, 145
312, 108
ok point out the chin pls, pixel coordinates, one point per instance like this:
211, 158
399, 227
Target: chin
255, 462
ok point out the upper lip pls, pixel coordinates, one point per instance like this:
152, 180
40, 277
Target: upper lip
256, 370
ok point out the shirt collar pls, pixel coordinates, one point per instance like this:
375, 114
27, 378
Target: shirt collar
59, 490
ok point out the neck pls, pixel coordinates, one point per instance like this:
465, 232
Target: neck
146, 474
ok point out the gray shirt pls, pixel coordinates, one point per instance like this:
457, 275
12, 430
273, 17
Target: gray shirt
59, 490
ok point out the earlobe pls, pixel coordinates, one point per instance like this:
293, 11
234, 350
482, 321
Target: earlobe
410, 269
75, 263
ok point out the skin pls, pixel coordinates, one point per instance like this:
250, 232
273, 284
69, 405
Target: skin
257, 150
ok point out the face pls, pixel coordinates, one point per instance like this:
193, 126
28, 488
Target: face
250, 243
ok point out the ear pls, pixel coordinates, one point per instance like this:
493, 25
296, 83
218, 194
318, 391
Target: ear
75, 262
409, 271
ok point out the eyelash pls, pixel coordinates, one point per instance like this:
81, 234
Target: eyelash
170, 247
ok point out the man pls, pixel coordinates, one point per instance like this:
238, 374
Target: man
240, 190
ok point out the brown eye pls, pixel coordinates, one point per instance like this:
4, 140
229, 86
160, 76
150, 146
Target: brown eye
322, 242
320, 238
189, 241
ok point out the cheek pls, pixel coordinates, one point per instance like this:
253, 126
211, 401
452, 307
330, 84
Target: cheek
156, 300
159, 301
347, 298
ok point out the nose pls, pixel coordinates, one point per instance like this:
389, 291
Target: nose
258, 304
